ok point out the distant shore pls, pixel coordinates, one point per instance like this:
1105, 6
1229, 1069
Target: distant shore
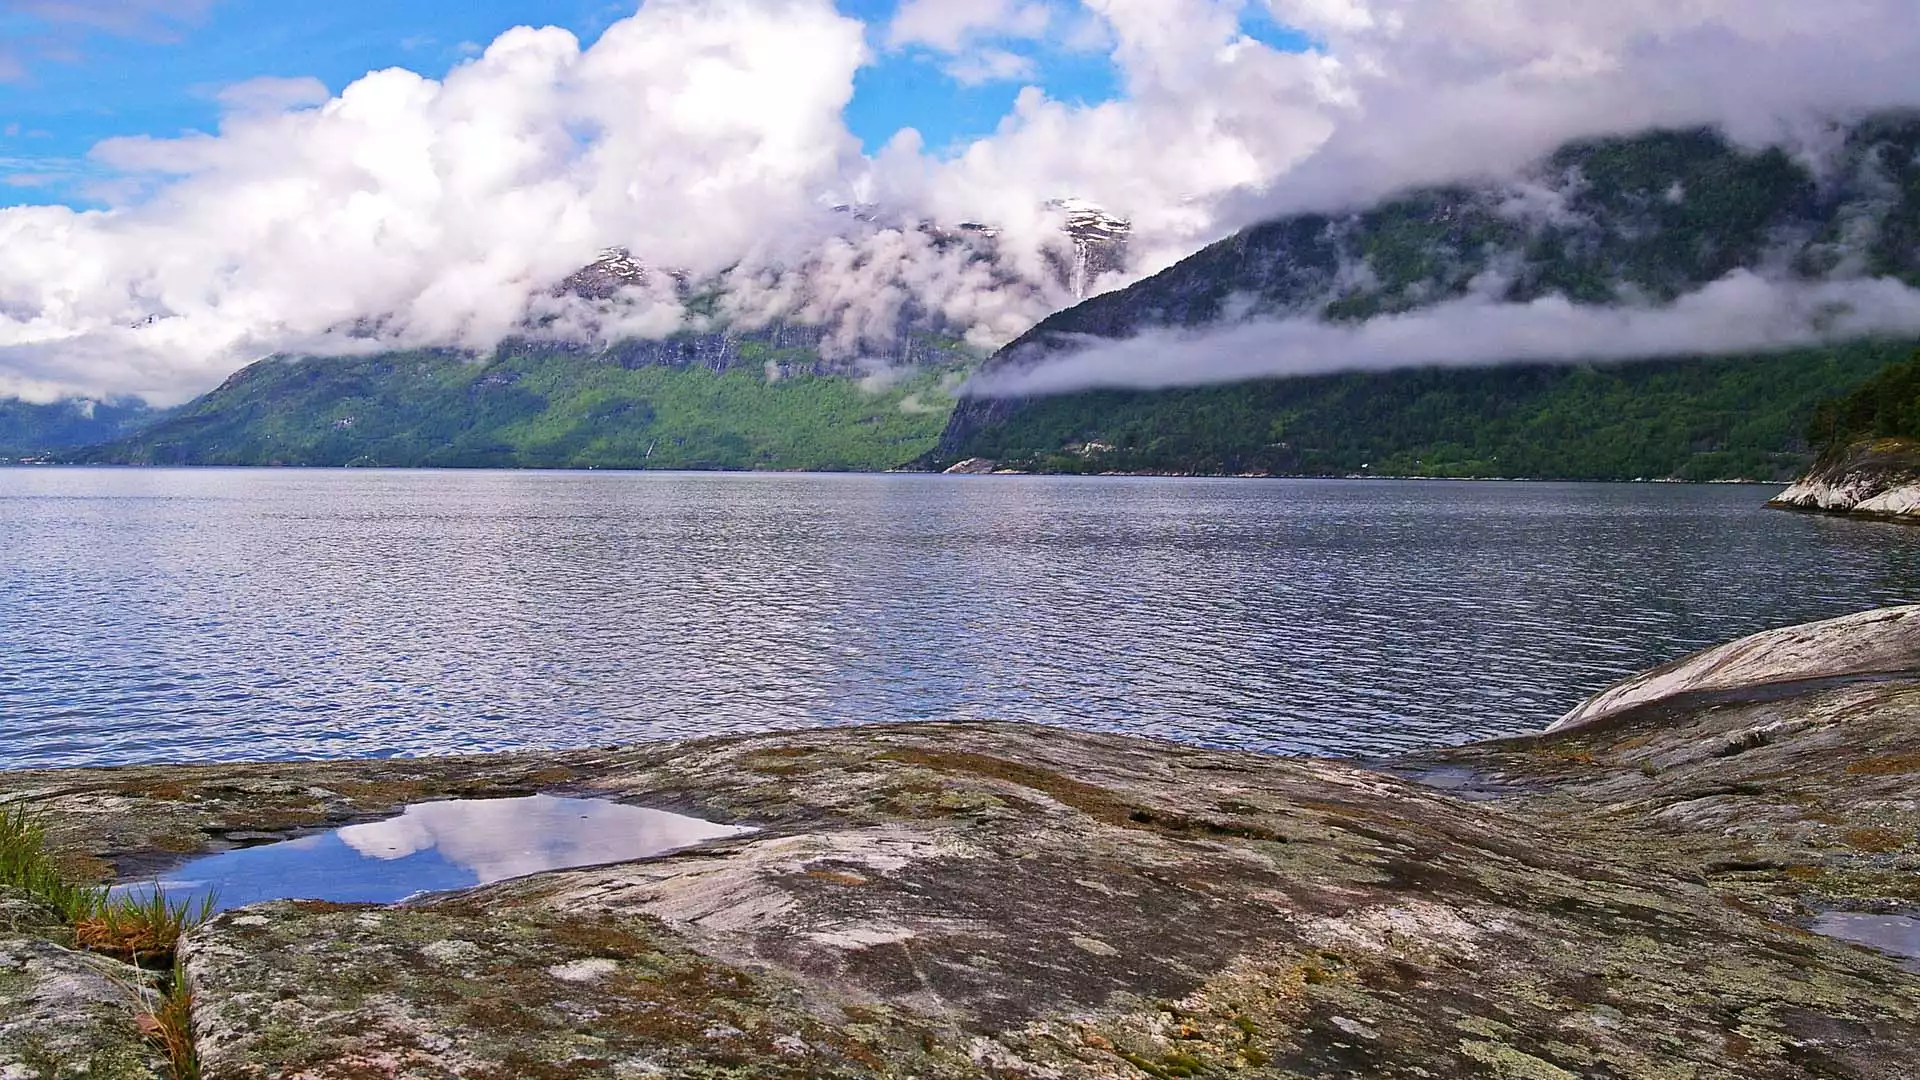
1145, 475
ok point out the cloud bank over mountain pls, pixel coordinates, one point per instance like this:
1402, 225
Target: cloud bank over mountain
708, 135
1742, 313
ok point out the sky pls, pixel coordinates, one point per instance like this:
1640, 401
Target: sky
189, 185
73, 74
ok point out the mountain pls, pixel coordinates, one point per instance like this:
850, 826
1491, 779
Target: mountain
32, 431
1705, 418
1601, 222
836, 362
774, 368
754, 406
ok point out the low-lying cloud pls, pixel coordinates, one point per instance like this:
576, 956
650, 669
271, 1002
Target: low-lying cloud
1742, 313
708, 136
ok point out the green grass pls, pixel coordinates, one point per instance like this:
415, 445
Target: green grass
142, 927
27, 866
170, 1026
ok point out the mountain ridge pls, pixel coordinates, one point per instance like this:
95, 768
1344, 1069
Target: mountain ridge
1629, 219
1601, 222
31, 431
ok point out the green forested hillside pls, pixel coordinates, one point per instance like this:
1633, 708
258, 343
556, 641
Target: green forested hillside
30, 430
1627, 220
1623, 220
1704, 419
1886, 405
543, 410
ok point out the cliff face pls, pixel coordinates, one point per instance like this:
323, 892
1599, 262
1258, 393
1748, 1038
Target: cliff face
1630, 896
1874, 478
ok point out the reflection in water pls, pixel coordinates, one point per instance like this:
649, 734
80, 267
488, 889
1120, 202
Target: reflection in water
1896, 935
241, 614
438, 846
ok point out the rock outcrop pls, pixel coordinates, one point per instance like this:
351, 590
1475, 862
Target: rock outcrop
68, 1014
1631, 896
1878, 478
1873, 643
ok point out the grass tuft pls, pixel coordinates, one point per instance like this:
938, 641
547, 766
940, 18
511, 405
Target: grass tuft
25, 865
143, 928
170, 1027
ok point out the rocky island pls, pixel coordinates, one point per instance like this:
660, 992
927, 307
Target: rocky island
1663, 886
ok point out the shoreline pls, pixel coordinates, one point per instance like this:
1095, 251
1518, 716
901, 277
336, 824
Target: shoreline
459, 470
958, 900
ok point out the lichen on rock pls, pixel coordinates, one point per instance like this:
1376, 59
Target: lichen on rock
1628, 897
66, 1015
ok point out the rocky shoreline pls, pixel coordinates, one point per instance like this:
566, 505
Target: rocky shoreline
1632, 895
1875, 479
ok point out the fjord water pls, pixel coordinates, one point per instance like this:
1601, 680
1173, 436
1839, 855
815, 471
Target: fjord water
248, 614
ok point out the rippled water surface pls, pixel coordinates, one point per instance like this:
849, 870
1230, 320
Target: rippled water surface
223, 614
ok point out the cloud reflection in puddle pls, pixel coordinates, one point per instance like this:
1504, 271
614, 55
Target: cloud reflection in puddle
431, 847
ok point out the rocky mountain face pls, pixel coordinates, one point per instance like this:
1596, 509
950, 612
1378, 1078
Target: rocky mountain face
605, 278
1092, 244
1098, 246
1645, 218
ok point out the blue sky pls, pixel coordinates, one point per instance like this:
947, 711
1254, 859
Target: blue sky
65, 85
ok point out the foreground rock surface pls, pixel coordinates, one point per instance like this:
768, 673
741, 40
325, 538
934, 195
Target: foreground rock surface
1880, 478
1626, 898
67, 1014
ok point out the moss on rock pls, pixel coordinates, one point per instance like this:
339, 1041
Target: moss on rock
1624, 899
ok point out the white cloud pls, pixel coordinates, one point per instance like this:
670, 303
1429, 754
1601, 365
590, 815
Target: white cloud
1742, 313
691, 132
57, 28
116, 16
1450, 88
270, 94
951, 25
1207, 113
990, 66
707, 134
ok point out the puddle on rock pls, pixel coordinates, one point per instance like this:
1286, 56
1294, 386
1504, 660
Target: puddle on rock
438, 846
1895, 935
